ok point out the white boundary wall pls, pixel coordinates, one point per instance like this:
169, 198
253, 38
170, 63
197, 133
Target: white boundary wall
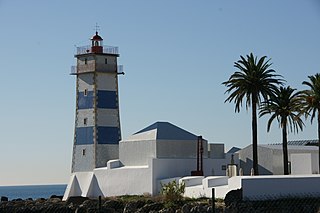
277, 186
130, 180
254, 187
202, 187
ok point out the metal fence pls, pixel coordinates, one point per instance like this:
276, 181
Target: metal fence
147, 203
106, 49
284, 205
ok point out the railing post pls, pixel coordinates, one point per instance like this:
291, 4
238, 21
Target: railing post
213, 200
99, 210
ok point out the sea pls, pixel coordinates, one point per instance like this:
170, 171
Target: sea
32, 191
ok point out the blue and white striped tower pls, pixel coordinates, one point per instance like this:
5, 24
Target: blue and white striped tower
97, 123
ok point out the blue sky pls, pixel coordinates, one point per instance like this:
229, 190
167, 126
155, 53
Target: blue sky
175, 54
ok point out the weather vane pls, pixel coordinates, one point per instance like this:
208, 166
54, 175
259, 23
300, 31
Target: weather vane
97, 28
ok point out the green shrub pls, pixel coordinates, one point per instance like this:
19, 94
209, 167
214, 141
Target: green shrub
172, 191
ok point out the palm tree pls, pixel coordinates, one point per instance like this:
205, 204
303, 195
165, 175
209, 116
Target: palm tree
312, 101
253, 81
286, 107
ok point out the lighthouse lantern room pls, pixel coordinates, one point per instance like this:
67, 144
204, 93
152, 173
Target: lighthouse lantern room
96, 44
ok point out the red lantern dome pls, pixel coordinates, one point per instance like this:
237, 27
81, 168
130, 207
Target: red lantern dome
96, 37
96, 43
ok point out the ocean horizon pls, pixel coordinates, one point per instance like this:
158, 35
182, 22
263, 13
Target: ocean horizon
32, 191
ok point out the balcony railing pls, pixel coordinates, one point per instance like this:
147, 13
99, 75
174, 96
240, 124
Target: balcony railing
73, 70
81, 69
106, 49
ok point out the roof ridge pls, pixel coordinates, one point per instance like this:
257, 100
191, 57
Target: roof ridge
168, 131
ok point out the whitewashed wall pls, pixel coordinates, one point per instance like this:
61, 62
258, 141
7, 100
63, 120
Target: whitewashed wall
275, 186
304, 163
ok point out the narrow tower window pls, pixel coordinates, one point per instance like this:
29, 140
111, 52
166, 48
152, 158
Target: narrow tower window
85, 120
85, 92
83, 152
85, 61
106, 61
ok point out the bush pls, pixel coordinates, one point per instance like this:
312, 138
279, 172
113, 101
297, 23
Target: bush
172, 191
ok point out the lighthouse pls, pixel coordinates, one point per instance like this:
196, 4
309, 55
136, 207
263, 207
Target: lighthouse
97, 121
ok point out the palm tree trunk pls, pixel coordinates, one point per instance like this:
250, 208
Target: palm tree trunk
254, 136
285, 149
319, 138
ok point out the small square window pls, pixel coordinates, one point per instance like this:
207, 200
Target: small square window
223, 167
83, 152
85, 121
106, 61
85, 92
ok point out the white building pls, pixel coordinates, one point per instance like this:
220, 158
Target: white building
270, 159
159, 152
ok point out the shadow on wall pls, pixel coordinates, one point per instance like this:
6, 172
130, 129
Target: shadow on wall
248, 164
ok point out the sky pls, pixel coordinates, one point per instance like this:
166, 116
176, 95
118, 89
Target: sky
175, 53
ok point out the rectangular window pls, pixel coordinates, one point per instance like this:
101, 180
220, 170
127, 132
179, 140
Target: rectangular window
83, 152
85, 92
85, 121
85, 61
106, 61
